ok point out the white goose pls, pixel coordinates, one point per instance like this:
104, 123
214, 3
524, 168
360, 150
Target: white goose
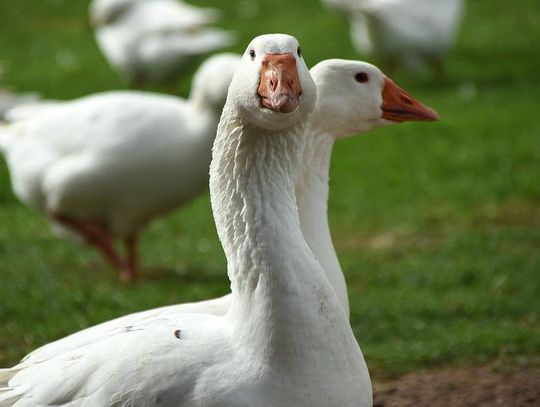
151, 40
285, 339
105, 165
352, 97
411, 33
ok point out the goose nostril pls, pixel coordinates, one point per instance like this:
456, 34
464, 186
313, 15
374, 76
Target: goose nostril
406, 100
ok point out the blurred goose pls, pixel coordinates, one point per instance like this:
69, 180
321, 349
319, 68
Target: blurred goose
411, 33
105, 165
285, 340
153, 40
352, 97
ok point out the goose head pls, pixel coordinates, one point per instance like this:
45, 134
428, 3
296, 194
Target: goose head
212, 80
273, 87
104, 12
355, 97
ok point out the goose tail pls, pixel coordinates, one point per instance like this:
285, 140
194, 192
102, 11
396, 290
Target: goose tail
16, 116
8, 395
29, 110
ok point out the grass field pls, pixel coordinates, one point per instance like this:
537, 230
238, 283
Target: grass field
437, 226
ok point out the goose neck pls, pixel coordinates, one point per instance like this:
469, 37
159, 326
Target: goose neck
275, 279
312, 182
284, 315
312, 197
252, 179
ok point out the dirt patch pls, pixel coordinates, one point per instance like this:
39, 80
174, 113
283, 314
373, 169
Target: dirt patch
461, 387
510, 213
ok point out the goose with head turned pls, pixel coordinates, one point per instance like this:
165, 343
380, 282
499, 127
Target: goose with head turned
353, 97
285, 339
152, 40
105, 165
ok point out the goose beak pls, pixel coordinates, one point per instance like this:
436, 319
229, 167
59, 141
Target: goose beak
399, 106
279, 86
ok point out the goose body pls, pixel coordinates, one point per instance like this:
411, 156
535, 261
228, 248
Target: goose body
344, 108
285, 339
113, 161
412, 33
152, 40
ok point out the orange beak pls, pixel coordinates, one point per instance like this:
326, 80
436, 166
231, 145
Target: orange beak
279, 86
399, 106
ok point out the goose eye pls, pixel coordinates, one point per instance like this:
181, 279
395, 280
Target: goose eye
361, 77
252, 54
299, 52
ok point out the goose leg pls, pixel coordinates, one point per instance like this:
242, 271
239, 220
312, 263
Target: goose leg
96, 236
131, 254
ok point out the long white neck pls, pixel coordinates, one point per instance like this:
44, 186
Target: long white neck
283, 307
312, 198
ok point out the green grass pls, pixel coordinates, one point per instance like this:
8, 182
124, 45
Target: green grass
437, 226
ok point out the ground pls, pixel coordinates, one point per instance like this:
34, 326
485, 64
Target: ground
461, 387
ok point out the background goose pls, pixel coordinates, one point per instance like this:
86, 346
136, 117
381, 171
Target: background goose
352, 97
152, 40
105, 165
285, 339
410, 33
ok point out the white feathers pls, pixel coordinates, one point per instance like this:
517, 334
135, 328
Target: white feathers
148, 40
353, 107
275, 346
359, 110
